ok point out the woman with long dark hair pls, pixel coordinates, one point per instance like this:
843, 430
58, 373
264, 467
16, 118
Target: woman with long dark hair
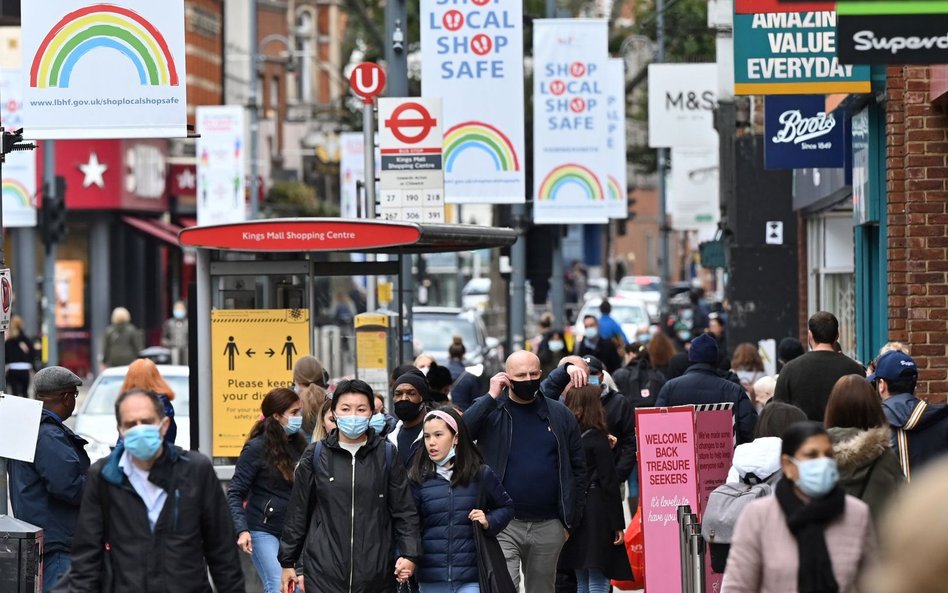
455, 493
263, 479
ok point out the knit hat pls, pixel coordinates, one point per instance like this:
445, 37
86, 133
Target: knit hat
55, 378
789, 349
309, 370
439, 377
704, 349
416, 380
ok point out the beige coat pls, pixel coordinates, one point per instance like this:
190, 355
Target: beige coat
764, 556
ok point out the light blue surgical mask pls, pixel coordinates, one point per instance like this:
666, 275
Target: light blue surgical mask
352, 426
446, 459
818, 476
592, 332
594, 379
180, 314
556, 345
293, 424
377, 422
143, 441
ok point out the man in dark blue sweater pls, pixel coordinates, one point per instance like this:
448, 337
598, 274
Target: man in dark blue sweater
533, 444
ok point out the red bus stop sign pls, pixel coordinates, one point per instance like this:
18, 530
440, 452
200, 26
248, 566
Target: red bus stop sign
367, 80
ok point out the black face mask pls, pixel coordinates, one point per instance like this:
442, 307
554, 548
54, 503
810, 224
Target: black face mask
407, 410
526, 389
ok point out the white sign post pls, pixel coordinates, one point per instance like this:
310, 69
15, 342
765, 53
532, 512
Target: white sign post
681, 102
221, 182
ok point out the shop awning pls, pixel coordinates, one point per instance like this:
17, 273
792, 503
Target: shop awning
339, 234
157, 229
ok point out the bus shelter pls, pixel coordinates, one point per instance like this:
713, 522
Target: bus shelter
270, 291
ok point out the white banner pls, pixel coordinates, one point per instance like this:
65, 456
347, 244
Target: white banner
112, 70
617, 194
19, 170
681, 102
351, 171
693, 189
221, 175
472, 57
569, 121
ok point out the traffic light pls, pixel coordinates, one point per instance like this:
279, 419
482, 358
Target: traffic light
53, 215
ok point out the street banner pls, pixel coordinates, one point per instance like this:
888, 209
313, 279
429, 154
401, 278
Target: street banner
893, 39
472, 58
681, 102
411, 180
569, 121
221, 176
693, 188
617, 194
70, 293
862, 169
252, 352
19, 170
754, 6
352, 171
799, 134
792, 53
104, 70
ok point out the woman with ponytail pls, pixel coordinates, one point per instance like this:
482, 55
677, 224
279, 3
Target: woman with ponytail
310, 381
263, 479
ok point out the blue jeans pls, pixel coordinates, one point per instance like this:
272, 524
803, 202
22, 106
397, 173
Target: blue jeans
634, 482
264, 557
449, 587
592, 581
55, 565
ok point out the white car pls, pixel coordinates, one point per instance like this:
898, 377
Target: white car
631, 315
95, 419
647, 289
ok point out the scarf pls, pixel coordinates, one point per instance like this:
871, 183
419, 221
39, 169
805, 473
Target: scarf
807, 522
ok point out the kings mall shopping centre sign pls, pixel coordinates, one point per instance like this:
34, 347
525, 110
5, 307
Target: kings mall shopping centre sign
883, 32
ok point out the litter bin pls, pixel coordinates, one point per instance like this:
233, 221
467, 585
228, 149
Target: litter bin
21, 556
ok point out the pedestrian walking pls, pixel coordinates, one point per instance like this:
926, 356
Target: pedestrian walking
810, 537
764, 392
259, 492
439, 384
661, 349
619, 415
122, 342
174, 333
382, 422
350, 503
47, 492
638, 380
455, 493
144, 374
326, 424
551, 350
593, 344
410, 396
19, 354
609, 328
310, 380
154, 512
759, 460
789, 349
466, 386
748, 366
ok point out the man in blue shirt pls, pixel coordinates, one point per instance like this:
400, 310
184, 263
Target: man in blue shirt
609, 328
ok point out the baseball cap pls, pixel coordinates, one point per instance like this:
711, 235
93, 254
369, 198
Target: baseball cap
55, 378
595, 365
893, 366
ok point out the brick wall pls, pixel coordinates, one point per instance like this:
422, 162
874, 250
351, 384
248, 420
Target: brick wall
917, 170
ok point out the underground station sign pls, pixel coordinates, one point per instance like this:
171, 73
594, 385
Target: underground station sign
301, 235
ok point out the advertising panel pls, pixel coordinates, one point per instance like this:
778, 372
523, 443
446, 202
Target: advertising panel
569, 121
472, 58
70, 293
221, 176
893, 39
617, 194
681, 102
799, 134
693, 188
113, 70
19, 169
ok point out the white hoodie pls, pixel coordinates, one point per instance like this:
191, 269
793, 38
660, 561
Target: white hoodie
760, 457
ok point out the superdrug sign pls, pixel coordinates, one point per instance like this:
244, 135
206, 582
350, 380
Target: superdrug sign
893, 39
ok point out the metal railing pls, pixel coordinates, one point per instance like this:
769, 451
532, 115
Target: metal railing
692, 548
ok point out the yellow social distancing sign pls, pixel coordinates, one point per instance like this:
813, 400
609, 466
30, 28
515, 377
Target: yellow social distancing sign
252, 352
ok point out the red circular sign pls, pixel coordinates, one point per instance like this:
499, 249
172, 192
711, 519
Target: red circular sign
367, 80
481, 44
557, 87
416, 117
453, 20
577, 69
480, 2
578, 105
6, 294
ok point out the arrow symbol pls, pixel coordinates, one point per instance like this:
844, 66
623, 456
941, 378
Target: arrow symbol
250, 352
270, 352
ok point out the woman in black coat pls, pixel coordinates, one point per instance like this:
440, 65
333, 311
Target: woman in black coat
594, 549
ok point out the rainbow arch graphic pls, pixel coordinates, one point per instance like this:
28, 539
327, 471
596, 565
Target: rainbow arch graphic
571, 174
614, 191
103, 25
17, 192
475, 135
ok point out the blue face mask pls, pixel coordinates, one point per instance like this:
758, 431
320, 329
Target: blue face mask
592, 333
143, 441
377, 422
818, 476
593, 379
446, 459
556, 345
352, 426
293, 424
179, 314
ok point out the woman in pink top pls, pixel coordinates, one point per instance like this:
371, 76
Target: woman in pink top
810, 537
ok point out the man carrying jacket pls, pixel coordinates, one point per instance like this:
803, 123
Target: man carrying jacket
701, 384
533, 444
160, 510
47, 492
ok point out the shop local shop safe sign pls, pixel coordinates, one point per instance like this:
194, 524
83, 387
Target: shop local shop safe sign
801, 135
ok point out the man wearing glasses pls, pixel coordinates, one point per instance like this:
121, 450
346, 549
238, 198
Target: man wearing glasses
47, 492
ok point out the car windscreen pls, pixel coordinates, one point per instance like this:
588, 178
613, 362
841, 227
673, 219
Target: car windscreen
639, 286
629, 315
436, 333
102, 399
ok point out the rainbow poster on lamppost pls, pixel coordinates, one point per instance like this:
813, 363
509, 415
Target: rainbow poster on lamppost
19, 169
570, 129
472, 58
104, 70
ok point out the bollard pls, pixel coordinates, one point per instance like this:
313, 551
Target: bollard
696, 550
685, 519
21, 555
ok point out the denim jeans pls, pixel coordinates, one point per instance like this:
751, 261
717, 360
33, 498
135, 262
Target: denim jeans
449, 587
55, 565
592, 581
265, 548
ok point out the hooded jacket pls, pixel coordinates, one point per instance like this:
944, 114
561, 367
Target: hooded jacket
760, 457
345, 514
258, 493
868, 466
916, 437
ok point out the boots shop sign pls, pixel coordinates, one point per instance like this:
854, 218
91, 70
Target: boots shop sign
893, 33
800, 134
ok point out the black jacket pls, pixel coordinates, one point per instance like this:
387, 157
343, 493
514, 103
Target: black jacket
620, 418
701, 384
491, 426
262, 487
605, 350
639, 383
193, 533
344, 514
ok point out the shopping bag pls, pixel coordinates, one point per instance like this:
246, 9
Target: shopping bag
635, 547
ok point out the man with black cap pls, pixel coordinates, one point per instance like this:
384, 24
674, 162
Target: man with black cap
701, 384
919, 429
410, 394
47, 492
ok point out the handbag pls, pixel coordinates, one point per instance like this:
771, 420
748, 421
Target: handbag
493, 576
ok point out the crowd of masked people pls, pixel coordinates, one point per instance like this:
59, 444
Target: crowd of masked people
333, 492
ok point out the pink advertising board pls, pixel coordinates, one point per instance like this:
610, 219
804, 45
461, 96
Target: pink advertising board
714, 430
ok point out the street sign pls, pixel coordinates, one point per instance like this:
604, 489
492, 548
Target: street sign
6, 299
774, 232
367, 80
411, 180
252, 352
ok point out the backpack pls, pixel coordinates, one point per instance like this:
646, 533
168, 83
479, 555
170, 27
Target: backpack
725, 505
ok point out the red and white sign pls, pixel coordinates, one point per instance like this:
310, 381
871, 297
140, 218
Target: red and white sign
6, 299
300, 235
367, 80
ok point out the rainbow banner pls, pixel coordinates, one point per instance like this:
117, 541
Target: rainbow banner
472, 57
105, 70
18, 184
570, 129
617, 197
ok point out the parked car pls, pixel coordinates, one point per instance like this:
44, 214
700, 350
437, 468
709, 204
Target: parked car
435, 327
95, 419
630, 314
647, 289
476, 294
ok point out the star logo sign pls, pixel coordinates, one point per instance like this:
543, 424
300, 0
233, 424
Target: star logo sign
186, 180
93, 171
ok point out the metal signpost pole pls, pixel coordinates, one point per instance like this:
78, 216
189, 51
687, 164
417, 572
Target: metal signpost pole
254, 114
368, 128
49, 265
662, 165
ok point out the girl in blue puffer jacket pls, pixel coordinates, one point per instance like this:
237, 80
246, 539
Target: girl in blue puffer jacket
455, 494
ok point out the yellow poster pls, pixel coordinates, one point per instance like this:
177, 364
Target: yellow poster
70, 300
252, 352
